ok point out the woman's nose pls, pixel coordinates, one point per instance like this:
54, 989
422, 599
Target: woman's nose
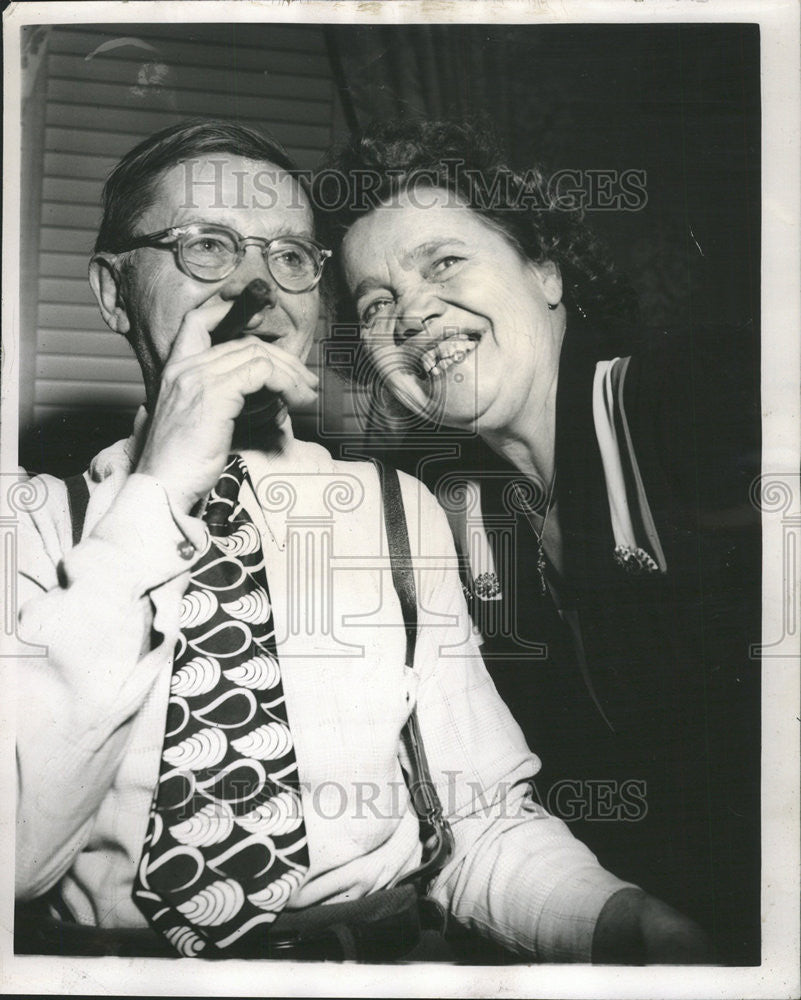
417, 313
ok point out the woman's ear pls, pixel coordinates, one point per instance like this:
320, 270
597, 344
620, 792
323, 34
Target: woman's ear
106, 282
551, 281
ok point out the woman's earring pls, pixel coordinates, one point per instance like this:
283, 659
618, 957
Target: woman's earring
576, 304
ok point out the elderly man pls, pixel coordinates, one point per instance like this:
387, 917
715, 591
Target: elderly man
211, 755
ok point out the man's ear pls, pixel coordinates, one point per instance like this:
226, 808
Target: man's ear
106, 282
551, 280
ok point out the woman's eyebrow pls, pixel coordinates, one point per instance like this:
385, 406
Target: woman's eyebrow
367, 285
431, 246
408, 259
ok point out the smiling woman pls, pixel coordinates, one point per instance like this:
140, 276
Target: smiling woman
452, 312
598, 495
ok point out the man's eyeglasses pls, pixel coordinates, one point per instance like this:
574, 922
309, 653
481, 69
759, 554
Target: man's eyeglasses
211, 253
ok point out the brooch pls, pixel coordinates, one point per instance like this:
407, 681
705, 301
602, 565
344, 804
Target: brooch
635, 560
486, 586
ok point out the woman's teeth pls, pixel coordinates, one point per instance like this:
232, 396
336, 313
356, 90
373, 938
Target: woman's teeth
447, 353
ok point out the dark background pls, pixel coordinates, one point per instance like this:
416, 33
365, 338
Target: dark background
680, 102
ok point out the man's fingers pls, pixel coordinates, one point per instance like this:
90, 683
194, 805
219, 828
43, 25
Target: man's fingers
294, 363
228, 377
263, 371
194, 334
271, 373
224, 358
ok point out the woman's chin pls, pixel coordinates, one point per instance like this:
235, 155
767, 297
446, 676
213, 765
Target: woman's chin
447, 400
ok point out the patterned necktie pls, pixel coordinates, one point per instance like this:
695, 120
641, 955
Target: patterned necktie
226, 841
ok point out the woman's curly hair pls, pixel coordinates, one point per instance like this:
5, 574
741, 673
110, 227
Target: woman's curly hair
392, 156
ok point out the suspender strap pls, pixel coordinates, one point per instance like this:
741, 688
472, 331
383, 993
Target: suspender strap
78, 500
436, 832
400, 554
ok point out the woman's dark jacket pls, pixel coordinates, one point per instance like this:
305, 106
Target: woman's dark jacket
650, 739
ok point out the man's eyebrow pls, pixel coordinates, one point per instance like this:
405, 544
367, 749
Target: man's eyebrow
283, 230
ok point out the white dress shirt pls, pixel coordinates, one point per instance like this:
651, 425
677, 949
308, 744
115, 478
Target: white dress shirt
92, 711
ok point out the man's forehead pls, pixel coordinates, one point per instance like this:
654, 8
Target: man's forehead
220, 183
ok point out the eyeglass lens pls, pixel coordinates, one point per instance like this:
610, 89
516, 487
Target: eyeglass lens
292, 263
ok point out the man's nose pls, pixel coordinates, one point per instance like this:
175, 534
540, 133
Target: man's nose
253, 265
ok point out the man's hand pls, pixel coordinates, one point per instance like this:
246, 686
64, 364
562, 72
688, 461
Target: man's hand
634, 928
202, 392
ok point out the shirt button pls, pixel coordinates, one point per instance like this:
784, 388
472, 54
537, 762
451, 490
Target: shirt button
186, 549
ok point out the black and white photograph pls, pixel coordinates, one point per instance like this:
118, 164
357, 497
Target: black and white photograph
400, 499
